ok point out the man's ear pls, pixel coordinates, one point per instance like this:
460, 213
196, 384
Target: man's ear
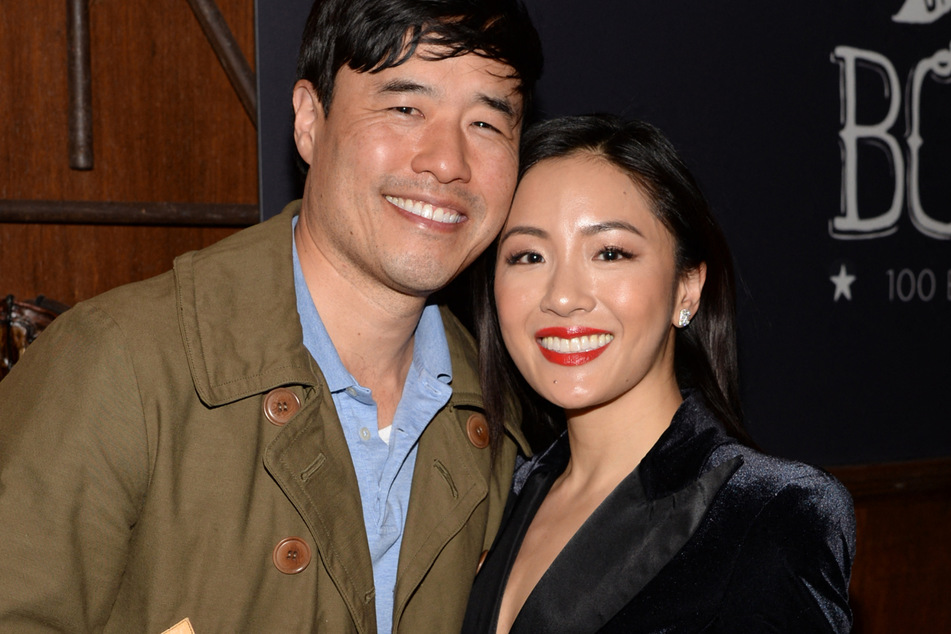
688, 293
308, 117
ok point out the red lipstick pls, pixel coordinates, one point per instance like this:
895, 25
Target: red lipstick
570, 358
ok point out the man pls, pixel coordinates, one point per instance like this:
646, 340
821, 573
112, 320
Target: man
280, 435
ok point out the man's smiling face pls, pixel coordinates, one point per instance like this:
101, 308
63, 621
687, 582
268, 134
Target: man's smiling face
412, 172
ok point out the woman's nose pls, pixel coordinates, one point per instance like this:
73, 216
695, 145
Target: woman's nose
568, 290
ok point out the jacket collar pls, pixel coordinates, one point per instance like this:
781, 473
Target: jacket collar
678, 457
245, 338
682, 452
465, 375
642, 524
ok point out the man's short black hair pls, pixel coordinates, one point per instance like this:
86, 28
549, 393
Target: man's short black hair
372, 35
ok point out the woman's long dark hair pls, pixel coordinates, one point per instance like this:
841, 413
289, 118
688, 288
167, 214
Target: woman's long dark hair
705, 355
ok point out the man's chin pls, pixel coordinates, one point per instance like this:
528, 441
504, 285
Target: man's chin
420, 289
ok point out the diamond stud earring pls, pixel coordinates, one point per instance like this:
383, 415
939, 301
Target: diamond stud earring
684, 318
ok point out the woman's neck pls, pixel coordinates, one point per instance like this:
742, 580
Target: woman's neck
609, 441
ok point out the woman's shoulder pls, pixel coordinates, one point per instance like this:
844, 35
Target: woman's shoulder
793, 530
697, 443
553, 457
789, 496
773, 475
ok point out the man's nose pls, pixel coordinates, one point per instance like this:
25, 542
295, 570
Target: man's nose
443, 151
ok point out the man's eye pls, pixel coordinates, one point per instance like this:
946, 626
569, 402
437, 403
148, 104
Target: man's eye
405, 110
485, 126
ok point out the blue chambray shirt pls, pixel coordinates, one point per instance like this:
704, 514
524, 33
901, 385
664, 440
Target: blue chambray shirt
384, 470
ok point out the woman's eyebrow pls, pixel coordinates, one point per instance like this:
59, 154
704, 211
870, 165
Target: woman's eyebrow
611, 225
522, 230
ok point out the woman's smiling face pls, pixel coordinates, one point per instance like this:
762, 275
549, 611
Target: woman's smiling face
586, 285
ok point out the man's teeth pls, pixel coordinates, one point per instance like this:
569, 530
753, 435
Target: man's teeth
576, 344
425, 210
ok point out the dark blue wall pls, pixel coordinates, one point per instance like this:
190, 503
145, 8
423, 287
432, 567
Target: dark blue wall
758, 96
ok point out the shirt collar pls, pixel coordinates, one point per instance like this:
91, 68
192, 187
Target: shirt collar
430, 349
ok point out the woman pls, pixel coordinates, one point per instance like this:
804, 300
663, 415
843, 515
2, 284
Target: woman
613, 295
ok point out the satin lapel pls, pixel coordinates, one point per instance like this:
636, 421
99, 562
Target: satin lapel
310, 461
617, 551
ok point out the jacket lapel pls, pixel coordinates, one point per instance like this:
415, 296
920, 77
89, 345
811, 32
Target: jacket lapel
448, 484
618, 550
450, 476
261, 349
486, 600
635, 532
311, 463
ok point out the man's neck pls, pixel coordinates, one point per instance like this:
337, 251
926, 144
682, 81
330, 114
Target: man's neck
372, 327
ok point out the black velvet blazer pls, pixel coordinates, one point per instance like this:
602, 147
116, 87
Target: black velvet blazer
705, 535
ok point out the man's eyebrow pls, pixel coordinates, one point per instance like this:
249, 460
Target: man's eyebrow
522, 230
611, 225
406, 85
501, 105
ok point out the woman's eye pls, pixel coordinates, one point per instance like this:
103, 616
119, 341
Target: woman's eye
612, 254
525, 257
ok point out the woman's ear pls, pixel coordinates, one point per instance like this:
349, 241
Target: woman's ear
689, 290
308, 116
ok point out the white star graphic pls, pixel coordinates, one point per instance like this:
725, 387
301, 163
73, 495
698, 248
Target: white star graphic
843, 284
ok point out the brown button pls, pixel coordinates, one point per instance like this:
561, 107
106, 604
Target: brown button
280, 405
481, 560
478, 431
291, 555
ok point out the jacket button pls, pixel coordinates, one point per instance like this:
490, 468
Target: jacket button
280, 405
478, 431
291, 555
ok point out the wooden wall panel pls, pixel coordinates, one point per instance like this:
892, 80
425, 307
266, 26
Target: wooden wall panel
901, 580
902, 568
71, 263
167, 127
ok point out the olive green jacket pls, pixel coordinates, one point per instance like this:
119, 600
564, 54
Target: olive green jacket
141, 482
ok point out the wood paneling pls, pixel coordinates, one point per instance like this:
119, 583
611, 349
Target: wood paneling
167, 124
71, 263
167, 127
901, 580
143, 213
